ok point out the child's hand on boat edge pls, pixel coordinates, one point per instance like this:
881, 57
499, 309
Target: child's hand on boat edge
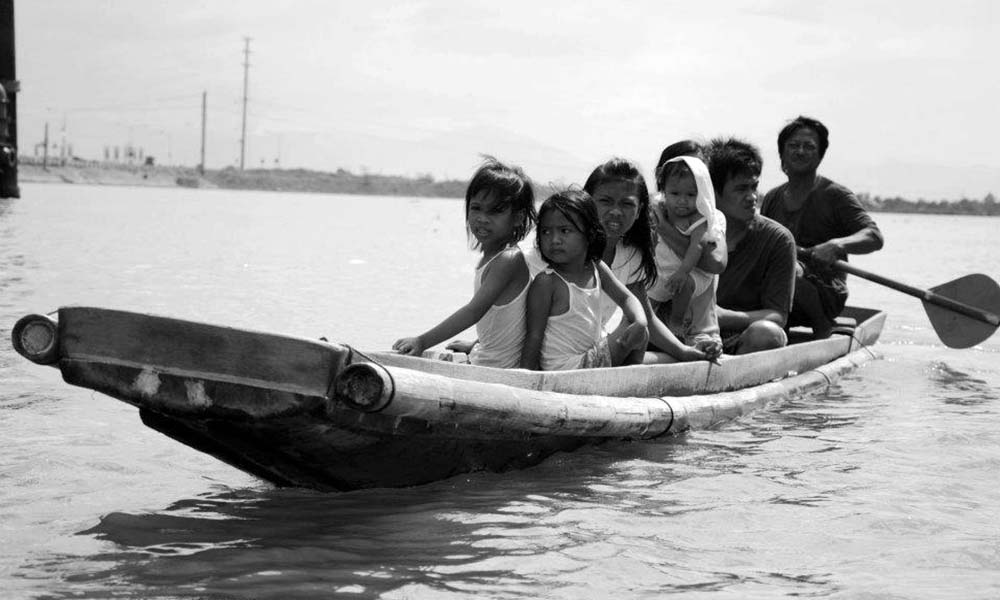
411, 345
711, 348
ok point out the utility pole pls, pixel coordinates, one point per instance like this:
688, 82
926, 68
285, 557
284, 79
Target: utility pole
246, 69
204, 104
62, 144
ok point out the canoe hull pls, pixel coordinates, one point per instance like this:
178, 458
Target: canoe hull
270, 405
294, 452
305, 441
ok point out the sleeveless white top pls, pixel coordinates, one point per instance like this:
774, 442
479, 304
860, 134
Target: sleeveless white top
501, 330
570, 335
627, 268
532, 258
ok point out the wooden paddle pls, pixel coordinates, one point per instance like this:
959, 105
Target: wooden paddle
963, 312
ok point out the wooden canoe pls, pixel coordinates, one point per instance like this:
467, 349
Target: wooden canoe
299, 412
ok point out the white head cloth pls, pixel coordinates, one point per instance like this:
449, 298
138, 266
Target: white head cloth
705, 200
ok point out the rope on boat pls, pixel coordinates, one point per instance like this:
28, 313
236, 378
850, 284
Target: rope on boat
829, 381
666, 430
866, 347
860, 346
672, 416
708, 371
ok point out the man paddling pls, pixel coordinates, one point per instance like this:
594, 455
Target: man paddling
827, 220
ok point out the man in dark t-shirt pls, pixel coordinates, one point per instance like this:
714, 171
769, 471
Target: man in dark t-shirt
760, 272
827, 221
754, 294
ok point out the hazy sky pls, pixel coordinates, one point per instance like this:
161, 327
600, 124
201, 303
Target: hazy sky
909, 90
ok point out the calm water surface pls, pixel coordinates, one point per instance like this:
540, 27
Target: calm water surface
885, 485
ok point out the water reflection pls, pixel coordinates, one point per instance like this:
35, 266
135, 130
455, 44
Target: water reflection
13, 271
522, 534
956, 387
12, 288
469, 533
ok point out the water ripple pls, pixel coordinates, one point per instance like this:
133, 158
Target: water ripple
959, 388
881, 485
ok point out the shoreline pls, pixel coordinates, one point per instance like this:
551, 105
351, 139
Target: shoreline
30, 170
277, 180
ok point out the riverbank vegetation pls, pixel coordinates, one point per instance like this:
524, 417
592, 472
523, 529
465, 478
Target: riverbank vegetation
339, 182
343, 181
988, 206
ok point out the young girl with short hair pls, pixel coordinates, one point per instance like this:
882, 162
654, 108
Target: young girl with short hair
499, 212
564, 314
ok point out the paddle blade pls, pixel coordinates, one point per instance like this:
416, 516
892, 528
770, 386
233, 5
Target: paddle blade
957, 330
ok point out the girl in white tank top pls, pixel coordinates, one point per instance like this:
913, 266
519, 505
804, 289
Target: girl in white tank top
501, 330
564, 320
570, 335
499, 212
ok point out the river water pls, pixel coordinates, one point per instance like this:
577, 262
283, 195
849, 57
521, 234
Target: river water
884, 485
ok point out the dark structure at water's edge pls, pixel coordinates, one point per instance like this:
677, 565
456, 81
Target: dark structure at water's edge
8, 104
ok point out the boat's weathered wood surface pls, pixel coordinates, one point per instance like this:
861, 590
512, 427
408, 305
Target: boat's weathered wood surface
296, 450
680, 379
703, 411
198, 350
269, 404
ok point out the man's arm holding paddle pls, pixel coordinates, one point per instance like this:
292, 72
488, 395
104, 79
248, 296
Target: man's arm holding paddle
963, 312
863, 241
